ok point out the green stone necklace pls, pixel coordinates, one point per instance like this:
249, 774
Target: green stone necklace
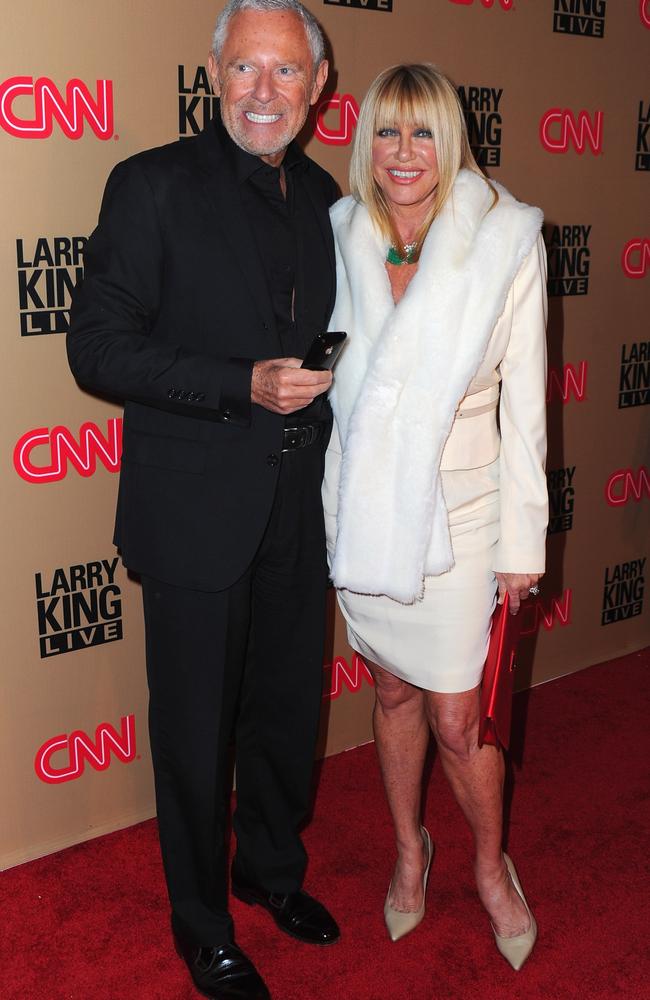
394, 257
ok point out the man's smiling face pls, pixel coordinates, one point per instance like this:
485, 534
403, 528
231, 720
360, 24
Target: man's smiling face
266, 81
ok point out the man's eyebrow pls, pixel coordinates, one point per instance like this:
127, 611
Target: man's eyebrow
239, 61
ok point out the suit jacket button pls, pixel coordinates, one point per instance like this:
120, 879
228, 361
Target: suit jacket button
226, 414
272, 460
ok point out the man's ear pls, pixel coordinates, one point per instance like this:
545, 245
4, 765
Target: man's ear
319, 81
213, 73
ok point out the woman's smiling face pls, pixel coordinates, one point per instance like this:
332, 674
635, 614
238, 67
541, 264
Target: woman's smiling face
405, 165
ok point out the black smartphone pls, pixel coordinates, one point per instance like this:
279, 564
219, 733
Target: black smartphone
324, 351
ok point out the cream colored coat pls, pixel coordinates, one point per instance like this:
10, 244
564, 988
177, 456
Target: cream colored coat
509, 371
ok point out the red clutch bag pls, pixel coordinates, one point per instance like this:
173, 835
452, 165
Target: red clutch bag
498, 678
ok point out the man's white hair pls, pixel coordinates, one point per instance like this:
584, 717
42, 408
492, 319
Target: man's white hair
312, 27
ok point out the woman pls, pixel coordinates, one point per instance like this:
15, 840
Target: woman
441, 287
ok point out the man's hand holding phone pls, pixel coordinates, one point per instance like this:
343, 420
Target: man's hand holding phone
281, 385
285, 385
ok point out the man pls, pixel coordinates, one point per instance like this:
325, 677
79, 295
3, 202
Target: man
209, 274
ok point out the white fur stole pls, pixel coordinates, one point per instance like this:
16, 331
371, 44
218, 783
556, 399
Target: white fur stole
403, 373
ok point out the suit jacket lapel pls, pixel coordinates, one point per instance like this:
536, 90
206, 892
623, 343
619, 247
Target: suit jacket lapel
322, 214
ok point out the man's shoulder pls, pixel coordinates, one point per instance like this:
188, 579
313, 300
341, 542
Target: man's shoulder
316, 170
183, 154
322, 179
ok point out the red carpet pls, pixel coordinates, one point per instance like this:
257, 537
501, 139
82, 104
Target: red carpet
91, 923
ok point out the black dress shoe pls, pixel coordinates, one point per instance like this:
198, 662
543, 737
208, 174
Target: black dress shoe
223, 973
295, 913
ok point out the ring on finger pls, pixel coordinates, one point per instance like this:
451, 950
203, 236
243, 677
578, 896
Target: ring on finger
534, 590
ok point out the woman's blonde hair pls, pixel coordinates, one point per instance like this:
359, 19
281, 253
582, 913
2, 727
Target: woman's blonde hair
416, 95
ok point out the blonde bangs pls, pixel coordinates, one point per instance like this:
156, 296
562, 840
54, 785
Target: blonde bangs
404, 101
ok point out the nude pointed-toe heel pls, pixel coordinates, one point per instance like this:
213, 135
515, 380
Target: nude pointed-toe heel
399, 923
516, 950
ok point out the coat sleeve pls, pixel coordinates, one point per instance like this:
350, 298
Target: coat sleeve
110, 348
522, 415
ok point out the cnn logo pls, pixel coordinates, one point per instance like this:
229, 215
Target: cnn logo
556, 612
64, 757
70, 112
567, 382
57, 448
627, 484
348, 115
636, 257
559, 128
644, 12
344, 676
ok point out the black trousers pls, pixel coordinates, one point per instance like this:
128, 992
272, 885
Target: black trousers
246, 661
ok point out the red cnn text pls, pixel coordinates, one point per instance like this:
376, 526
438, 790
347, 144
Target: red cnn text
627, 484
567, 382
73, 751
348, 115
536, 613
636, 257
49, 105
344, 676
57, 447
559, 128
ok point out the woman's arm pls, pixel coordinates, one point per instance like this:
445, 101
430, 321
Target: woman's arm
520, 554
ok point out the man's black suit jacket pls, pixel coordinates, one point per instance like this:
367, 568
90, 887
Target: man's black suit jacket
173, 310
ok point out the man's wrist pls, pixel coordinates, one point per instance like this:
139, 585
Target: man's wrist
235, 397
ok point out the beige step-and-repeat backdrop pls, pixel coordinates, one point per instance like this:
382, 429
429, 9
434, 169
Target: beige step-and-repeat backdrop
557, 97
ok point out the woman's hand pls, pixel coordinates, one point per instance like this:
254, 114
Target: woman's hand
518, 587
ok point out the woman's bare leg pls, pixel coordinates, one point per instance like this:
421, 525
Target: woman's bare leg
401, 737
476, 779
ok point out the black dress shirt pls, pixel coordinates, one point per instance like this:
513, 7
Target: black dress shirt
293, 253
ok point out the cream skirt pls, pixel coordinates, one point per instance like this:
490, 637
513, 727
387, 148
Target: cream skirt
440, 642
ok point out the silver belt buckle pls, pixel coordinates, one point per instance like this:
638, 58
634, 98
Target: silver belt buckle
294, 437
